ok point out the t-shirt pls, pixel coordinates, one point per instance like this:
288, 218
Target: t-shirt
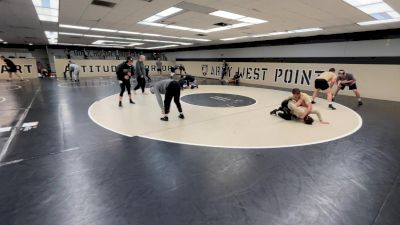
347, 77
327, 76
159, 65
305, 97
9, 63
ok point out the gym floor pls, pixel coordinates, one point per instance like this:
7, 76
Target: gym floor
68, 170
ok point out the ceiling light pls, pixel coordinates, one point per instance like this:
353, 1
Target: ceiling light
177, 27
152, 35
5, 42
48, 18
30, 44
375, 8
240, 25
95, 36
219, 29
1, 39
103, 30
152, 24
69, 34
194, 39
361, 2
47, 10
252, 20
374, 22
200, 30
51, 34
74, 27
169, 11
307, 30
127, 32
152, 19
227, 15
234, 38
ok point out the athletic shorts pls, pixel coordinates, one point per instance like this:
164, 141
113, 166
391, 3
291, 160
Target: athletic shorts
351, 87
158, 70
173, 69
321, 84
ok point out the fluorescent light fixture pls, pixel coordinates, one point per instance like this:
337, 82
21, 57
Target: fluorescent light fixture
361, 2
177, 27
30, 44
48, 18
227, 15
194, 39
375, 8
168, 12
220, 28
103, 30
127, 32
47, 10
152, 35
233, 38
5, 42
152, 24
74, 27
307, 30
158, 47
1, 39
94, 36
200, 30
187, 44
252, 20
51, 34
133, 39
240, 25
374, 22
69, 34
152, 19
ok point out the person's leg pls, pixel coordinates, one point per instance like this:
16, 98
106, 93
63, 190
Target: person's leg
143, 85
329, 98
9, 76
19, 76
128, 88
315, 94
122, 85
177, 96
137, 85
167, 104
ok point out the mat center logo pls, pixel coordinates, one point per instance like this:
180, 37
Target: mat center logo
204, 69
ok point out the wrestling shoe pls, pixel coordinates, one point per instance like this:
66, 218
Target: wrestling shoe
313, 102
120, 104
360, 103
181, 116
132, 102
331, 107
165, 118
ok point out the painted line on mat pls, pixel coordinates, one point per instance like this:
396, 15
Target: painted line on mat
14, 132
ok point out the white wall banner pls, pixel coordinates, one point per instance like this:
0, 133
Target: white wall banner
374, 81
95, 68
26, 67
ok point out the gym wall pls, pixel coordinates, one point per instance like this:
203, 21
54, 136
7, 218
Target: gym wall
374, 81
96, 68
26, 67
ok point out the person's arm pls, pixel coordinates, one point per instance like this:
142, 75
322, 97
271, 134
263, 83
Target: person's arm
319, 116
333, 82
308, 110
138, 70
299, 102
120, 72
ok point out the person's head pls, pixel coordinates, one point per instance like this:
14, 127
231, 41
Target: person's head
223, 61
308, 120
296, 93
142, 58
159, 59
332, 70
2, 57
152, 89
129, 60
341, 73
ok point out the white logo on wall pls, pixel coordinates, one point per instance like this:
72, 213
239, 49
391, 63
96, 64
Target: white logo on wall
204, 69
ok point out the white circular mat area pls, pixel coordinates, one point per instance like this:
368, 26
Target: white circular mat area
231, 127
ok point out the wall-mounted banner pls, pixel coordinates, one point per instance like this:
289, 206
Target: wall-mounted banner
26, 67
374, 81
95, 68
